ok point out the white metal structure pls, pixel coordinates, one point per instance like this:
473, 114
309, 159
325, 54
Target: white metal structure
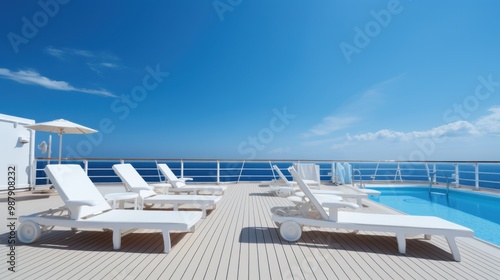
17, 148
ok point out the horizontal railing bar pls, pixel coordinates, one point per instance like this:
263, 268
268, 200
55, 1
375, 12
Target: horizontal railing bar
272, 160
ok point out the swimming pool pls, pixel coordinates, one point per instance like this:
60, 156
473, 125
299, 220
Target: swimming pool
478, 211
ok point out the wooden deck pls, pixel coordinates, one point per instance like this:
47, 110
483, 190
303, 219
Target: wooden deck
238, 240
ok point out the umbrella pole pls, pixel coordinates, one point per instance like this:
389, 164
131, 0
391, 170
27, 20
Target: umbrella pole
49, 154
60, 147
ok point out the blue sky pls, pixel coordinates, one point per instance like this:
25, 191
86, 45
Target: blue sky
404, 80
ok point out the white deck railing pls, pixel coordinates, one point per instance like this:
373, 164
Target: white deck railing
477, 174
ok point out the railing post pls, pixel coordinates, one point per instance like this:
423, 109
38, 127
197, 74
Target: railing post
86, 166
352, 176
32, 177
431, 174
434, 180
272, 170
158, 171
375, 173
398, 173
182, 168
428, 172
218, 172
476, 173
241, 170
457, 176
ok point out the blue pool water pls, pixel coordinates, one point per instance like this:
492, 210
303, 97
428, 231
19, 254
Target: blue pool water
478, 211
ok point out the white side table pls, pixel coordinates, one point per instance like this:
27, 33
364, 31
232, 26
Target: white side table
121, 197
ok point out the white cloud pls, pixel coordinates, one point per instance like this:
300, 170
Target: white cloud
455, 129
281, 150
55, 52
381, 134
460, 140
110, 65
320, 142
83, 53
66, 52
368, 100
331, 124
96, 61
98, 67
340, 146
490, 123
34, 78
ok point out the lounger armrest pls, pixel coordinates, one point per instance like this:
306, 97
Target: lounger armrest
339, 204
333, 208
146, 193
79, 203
177, 183
149, 188
184, 179
75, 207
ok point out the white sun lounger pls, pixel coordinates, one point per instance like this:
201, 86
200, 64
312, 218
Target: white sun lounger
291, 220
179, 184
135, 183
285, 191
87, 208
292, 183
293, 190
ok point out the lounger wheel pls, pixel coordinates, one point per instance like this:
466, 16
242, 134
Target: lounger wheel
29, 232
290, 231
283, 193
148, 205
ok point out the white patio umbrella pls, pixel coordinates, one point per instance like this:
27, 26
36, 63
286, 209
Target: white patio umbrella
61, 127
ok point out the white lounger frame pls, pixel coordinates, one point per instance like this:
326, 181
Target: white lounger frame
291, 220
86, 208
179, 184
147, 196
292, 183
